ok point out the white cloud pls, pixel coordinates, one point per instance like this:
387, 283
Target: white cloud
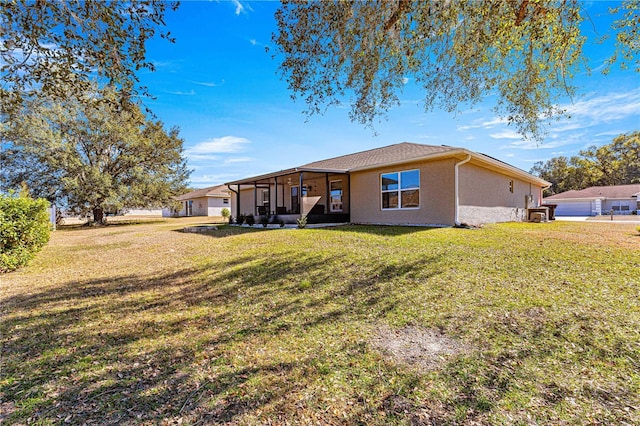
241, 7
506, 134
484, 124
189, 93
613, 133
209, 83
211, 179
201, 157
223, 145
238, 160
606, 108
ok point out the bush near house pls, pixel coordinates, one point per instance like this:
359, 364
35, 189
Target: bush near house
24, 230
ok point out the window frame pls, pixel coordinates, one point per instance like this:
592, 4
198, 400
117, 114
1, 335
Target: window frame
399, 191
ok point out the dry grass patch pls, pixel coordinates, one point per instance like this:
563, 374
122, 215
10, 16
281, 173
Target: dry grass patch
416, 347
145, 324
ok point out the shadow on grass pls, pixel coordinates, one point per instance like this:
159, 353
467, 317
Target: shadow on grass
382, 230
378, 230
145, 348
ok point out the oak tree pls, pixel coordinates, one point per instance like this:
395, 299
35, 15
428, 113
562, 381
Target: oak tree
47, 45
93, 153
525, 51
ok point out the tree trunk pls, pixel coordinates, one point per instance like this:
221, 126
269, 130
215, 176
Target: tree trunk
98, 215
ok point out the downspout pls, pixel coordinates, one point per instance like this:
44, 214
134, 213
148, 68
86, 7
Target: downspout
456, 189
237, 197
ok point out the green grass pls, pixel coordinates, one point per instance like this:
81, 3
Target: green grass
147, 324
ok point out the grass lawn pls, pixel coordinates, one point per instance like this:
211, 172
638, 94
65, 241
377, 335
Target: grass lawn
142, 324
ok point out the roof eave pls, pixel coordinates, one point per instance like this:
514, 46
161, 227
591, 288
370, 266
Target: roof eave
462, 152
436, 156
257, 179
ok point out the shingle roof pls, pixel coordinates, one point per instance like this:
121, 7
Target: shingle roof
615, 191
212, 191
391, 155
378, 156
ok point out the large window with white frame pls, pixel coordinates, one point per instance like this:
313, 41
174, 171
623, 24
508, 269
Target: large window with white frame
400, 190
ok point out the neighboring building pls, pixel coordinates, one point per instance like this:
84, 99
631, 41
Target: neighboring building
401, 184
597, 200
203, 202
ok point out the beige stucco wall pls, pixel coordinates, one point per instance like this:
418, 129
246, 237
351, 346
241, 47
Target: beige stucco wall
485, 196
436, 195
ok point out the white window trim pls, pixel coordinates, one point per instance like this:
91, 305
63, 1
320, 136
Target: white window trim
399, 191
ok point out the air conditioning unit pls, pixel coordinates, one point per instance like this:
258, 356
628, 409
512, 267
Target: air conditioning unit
537, 217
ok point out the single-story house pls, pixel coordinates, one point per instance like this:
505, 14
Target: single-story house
203, 202
597, 200
401, 184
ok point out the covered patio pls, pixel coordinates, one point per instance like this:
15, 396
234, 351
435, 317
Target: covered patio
322, 195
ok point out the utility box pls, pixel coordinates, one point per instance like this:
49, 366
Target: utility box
537, 217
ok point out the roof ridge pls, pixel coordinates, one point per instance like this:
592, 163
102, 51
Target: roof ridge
375, 149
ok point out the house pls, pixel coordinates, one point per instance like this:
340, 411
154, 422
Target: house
597, 200
401, 184
203, 202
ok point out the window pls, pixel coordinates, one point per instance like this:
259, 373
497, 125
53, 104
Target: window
225, 201
400, 190
335, 194
511, 186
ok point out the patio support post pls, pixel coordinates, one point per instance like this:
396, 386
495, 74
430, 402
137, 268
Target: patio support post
255, 198
300, 195
348, 196
275, 187
328, 193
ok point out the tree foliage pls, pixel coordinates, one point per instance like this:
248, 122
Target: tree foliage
617, 163
24, 230
93, 152
459, 51
46, 46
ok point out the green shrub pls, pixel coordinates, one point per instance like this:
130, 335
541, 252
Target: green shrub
24, 230
226, 214
240, 219
302, 221
249, 220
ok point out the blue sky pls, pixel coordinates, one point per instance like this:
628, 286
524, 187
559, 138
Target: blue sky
221, 87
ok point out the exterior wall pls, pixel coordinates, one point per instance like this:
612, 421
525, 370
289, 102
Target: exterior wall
247, 204
620, 206
436, 195
215, 205
203, 206
485, 196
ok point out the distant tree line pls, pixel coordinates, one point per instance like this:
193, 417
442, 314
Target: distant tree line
617, 163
